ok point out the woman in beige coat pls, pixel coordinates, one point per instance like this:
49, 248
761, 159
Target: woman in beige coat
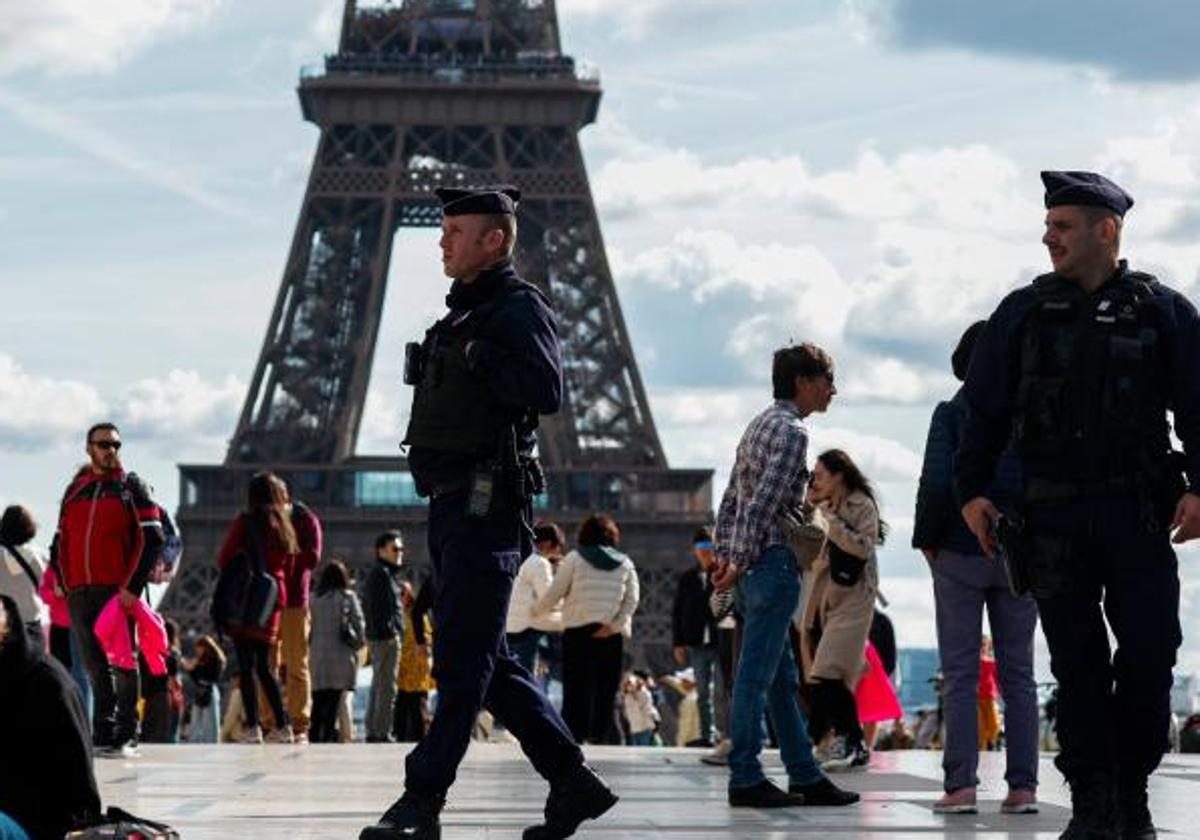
839, 593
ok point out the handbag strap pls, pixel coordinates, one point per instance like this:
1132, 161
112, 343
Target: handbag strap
11, 549
255, 549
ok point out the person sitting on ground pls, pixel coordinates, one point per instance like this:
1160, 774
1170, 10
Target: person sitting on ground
46, 782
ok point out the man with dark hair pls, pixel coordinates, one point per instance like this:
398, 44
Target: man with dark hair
482, 376
385, 628
694, 630
1081, 367
46, 781
769, 477
109, 537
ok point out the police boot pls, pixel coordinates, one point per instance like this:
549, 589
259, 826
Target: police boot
1093, 808
411, 817
582, 795
1133, 808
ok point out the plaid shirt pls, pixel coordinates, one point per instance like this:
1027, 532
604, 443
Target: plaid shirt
769, 475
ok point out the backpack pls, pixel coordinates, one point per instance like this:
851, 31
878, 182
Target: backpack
171, 552
245, 596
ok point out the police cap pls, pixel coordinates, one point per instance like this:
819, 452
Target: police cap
1086, 188
478, 200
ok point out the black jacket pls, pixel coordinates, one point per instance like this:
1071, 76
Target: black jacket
690, 615
46, 780
991, 387
938, 523
381, 602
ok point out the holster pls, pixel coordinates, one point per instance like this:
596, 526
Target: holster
1039, 565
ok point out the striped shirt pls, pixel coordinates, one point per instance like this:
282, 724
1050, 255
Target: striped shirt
769, 476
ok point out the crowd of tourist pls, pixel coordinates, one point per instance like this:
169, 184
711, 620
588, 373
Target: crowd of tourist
291, 675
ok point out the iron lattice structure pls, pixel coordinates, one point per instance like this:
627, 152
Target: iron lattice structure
422, 94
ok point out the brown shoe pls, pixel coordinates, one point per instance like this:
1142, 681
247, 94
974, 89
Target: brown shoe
961, 801
1020, 801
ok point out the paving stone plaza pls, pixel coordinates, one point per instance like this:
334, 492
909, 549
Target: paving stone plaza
330, 791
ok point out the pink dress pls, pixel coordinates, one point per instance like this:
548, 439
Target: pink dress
874, 694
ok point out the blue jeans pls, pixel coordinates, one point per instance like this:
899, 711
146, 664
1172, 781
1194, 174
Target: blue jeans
704, 664
641, 739
766, 674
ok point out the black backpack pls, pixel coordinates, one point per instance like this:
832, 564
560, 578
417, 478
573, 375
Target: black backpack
246, 593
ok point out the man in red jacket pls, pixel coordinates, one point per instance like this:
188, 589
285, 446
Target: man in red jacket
109, 536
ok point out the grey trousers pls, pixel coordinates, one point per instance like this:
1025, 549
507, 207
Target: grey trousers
385, 662
963, 584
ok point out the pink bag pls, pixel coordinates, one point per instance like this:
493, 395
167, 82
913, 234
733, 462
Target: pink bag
112, 631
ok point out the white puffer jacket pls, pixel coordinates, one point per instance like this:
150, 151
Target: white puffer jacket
590, 595
533, 579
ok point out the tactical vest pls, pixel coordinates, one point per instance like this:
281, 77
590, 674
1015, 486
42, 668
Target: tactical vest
454, 409
1092, 391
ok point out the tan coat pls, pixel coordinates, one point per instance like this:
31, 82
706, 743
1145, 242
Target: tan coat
836, 619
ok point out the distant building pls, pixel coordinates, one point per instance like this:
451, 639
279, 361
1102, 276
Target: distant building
1185, 695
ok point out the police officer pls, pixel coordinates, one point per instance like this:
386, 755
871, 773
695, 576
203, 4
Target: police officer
1082, 367
482, 376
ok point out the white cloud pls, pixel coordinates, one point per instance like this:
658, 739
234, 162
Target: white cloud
65, 37
182, 405
917, 184
635, 18
178, 413
36, 411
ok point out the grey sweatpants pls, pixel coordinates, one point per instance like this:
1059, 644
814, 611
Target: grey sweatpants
385, 663
963, 584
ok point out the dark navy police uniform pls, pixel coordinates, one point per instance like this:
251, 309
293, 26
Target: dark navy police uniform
1084, 382
482, 376
514, 365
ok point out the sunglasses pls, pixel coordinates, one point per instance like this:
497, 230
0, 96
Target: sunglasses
114, 445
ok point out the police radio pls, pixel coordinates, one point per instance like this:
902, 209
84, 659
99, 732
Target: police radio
414, 363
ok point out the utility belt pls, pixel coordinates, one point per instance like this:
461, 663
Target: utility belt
1046, 565
495, 487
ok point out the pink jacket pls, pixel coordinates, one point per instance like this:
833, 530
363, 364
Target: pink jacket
60, 616
112, 631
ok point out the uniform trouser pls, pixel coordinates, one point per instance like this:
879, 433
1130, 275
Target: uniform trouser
767, 677
116, 690
1113, 708
524, 646
963, 585
474, 563
385, 665
703, 660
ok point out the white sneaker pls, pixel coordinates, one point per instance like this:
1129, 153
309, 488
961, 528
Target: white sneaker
281, 735
840, 755
719, 757
251, 735
126, 750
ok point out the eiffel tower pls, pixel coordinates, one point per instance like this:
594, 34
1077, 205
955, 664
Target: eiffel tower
423, 94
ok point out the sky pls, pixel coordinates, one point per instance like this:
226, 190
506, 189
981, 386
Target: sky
859, 173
